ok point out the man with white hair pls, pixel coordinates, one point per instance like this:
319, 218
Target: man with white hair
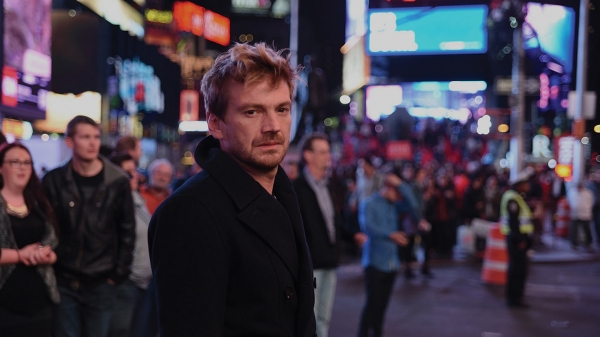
160, 173
581, 203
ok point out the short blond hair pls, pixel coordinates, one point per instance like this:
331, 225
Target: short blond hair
246, 64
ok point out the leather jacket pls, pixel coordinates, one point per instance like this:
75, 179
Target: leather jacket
96, 237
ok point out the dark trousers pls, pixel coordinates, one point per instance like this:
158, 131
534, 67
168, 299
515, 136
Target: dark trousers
517, 268
84, 313
127, 314
379, 288
407, 255
444, 237
585, 226
148, 323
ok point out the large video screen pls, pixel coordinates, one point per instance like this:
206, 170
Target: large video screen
456, 100
427, 30
548, 40
550, 31
27, 65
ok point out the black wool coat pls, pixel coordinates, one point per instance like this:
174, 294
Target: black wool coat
324, 253
229, 259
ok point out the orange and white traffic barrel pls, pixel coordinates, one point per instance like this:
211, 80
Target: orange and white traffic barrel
562, 218
495, 259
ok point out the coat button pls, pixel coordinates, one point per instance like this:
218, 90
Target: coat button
315, 282
288, 292
98, 204
71, 204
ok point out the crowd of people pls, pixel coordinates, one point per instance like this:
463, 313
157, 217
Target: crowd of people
74, 257
242, 248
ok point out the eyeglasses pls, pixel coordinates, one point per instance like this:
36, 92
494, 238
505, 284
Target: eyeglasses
16, 164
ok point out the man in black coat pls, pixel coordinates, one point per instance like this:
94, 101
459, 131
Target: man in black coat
227, 249
322, 222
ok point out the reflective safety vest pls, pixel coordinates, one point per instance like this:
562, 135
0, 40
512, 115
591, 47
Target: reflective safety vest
525, 215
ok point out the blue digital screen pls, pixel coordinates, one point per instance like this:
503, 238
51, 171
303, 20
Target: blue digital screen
427, 30
549, 33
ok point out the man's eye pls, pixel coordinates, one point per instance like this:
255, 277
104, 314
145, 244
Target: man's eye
251, 112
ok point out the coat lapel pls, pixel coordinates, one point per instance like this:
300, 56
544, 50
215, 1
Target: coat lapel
257, 209
267, 218
306, 296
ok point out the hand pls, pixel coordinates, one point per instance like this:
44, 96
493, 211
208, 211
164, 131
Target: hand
424, 225
27, 254
360, 239
393, 180
46, 255
399, 238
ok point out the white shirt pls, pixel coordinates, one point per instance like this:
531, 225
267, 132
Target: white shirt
581, 203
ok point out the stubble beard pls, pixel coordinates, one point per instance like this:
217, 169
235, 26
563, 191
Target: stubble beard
265, 162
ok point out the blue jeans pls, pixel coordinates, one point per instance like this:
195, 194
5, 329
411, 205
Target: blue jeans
324, 296
124, 317
85, 313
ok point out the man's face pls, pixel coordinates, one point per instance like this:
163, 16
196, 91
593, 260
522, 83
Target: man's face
368, 169
130, 167
391, 194
524, 187
255, 129
319, 158
85, 143
162, 175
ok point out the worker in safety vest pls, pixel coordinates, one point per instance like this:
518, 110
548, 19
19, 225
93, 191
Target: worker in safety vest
516, 224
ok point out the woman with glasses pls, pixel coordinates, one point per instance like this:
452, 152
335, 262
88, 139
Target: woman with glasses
27, 241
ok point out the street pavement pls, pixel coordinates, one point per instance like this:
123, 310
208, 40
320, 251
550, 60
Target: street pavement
563, 291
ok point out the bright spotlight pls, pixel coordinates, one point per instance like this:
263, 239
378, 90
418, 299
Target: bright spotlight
345, 99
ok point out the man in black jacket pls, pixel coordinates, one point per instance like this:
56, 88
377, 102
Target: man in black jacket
321, 222
94, 210
227, 248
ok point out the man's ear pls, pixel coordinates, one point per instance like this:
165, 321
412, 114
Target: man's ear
69, 142
213, 125
306, 155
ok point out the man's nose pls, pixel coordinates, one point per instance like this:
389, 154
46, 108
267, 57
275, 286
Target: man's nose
271, 122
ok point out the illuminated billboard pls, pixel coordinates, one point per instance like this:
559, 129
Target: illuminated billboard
455, 100
550, 30
200, 21
189, 17
548, 40
62, 108
427, 30
27, 68
216, 28
355, 18
138, 87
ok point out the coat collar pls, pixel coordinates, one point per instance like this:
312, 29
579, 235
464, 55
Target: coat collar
255, 205
241, 188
